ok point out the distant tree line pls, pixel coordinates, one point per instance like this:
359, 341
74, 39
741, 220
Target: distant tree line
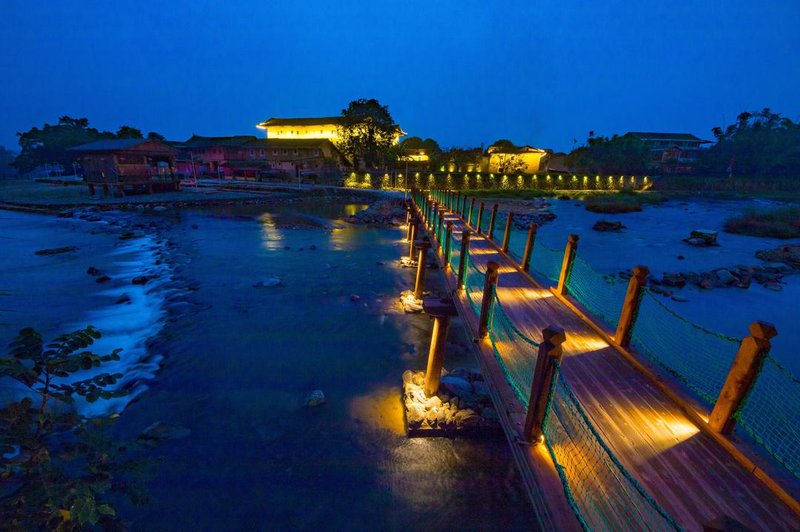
626, 154
49, 144
759, 144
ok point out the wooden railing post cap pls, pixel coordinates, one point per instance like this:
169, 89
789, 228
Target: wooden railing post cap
573, 239
641, 273
492, 267
449, 225
554, 335
763, 330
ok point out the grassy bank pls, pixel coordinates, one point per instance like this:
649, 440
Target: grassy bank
783, 222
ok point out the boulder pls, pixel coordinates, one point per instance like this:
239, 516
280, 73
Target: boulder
140, 280
725, 277
604, 226
103, 279
702, 238
94, 272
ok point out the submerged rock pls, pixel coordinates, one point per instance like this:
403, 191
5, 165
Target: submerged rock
93, 271
315, 398
268, 282
56, 251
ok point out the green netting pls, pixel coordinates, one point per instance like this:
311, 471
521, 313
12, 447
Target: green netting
600, 490
515, 351
546, 261
771, 414
455, 252
602, 294
473, 285
696, 356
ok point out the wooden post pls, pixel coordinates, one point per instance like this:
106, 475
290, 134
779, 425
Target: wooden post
423, 246
507, 232
458, 208
630, 308
434, 208
480, 215
550, 352
742, 376
490, 234
448, 236
439, 228
462, 260
471, 206
526, 255
441, 310
566, 264
464, 206
412, 233
489, 284
91, 189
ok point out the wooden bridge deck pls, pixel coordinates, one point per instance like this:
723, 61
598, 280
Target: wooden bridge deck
683, 468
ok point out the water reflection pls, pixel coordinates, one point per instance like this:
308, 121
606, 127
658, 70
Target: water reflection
272, 239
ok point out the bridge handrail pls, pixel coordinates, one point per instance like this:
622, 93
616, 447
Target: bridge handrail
601, 491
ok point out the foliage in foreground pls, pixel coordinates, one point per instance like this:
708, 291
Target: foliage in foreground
774, 223
59, 471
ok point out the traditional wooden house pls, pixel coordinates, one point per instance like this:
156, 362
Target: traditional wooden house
315, 159
671, 152
210, 156
521, 160
128, 165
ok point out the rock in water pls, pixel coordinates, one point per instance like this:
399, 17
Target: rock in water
702, 238
269, 281
604, 226
141, 279
315, 398
56, 251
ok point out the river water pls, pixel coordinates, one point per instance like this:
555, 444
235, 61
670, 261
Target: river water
230, 364
653, 237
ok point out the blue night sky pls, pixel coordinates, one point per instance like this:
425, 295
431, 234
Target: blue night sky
463, 72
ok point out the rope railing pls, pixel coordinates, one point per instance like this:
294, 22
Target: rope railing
546, 261
602, 294
697, 357
518, 364
776, 392
600, 490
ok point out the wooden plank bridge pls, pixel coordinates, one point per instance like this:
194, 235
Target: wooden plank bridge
639, 456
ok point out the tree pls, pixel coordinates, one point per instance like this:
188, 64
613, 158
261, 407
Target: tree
367, 133
759, 144
128, 132
626, 154
503, 145
58, 468
50, 144
155, 136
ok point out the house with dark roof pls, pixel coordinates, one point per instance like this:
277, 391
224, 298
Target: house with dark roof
671, 152
128, 165
317, 159
199, 156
